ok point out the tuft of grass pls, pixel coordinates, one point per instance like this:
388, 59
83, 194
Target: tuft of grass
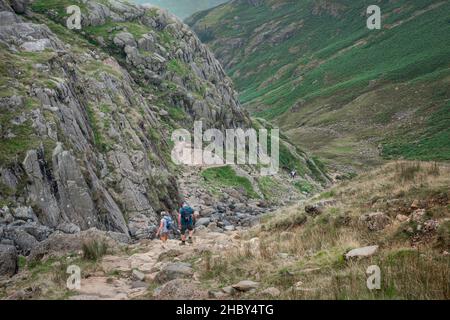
407, 171
443, 234
94, 250
178, 67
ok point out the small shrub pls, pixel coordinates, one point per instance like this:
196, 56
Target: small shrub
407, 171
434, 170
444, 235
287, 222
94, 250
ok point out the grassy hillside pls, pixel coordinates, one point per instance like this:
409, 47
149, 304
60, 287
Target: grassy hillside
182, 8
303, 255
348, 93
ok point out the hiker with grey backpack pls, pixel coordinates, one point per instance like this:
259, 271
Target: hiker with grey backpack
165, 226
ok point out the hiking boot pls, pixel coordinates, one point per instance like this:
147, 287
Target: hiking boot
190, 240
182, 243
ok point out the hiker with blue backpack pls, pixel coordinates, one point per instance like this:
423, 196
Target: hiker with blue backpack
165, 226
186, 222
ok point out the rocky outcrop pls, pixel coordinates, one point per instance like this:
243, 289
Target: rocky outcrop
375, 221
89, 127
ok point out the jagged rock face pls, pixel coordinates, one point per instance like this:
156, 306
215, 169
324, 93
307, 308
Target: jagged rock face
86, 116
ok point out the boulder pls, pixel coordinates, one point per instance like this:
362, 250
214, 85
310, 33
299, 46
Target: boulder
173, 271
39, 232
138, 284
314, 209
202, 222
229, 228
146, 43
123, 39
60, 243
138, 275
401, 218
415, 204
318, 208
25, 213
229, 290
212, 227
8, 260
362, 252
141, 227
418, 215
23, 240
19, 6
375, 221
245, 285
68, 227
8, 18
250, 221
217, 294
272, 291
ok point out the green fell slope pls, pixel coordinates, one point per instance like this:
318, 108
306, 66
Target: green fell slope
348, 93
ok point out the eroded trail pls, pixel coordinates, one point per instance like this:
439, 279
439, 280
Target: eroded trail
155, 265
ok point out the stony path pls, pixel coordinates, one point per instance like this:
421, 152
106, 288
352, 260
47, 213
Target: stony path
126, 277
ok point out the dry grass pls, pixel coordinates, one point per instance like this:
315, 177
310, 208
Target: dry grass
304, 259
94, 250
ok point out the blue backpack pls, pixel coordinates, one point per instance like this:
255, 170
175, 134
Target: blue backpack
169, 222
186, 213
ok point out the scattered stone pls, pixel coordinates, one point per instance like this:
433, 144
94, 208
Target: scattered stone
245, 285
313, 210
418, 215
19, 6
402, 218
163, 113
138, 275
229, 290
272, 291
430, 225
202, 222
229, 228
415, 205
361, 252
375, 221
298, 285
138, 284
25, 213
283, 255
174, 271
217, 294
123, 39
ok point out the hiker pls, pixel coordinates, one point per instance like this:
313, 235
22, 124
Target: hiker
293, 174
186, 222
164, 227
